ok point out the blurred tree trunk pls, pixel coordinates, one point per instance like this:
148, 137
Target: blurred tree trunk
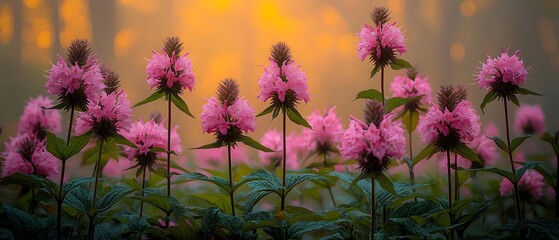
56, 48
103, 25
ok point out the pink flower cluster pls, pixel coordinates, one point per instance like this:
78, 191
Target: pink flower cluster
505, 68
273, 140
326, 130
35, 117
463, 120
213, 158
385, 140
271, 82
404, 87
373, 41
113, 108
531, 185
148, 135
27, 154
64, 80
165, 71
217, 117
529, 119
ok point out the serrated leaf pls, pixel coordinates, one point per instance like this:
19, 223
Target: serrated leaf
386, 184
254, 144
467, 153
297, 229
181, 104
218, 181
151, 98
296, 118
515, 143
266, 111
55, 146
500, 143
294, 179
111, 198
210, 146
426, 153
416, 208
504, 173
395, 102
77, 143
158, 201
375, 71
524, 91
369, 94
80, 199
74, 183
410, 120
399, 63
489, 97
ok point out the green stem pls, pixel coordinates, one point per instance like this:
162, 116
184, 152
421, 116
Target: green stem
410, 165
449, 193
284, 160
456, 179
91, 229
168, 154
60, 200
143, 190
373, 209
94, 200
515, 183
382, 83
230, 179
32, 204
328, 185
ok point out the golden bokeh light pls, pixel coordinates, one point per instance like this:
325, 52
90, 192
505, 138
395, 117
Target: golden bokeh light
467, 8
44, 40
6, 23
123, 40
396, 6
457, 51
76, 22
31, 3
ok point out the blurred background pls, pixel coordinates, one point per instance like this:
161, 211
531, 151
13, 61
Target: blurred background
446, 40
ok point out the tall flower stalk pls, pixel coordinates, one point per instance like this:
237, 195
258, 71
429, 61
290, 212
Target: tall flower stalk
373, 144
75, 80
229, 118
286, 85
503, 77
447, 127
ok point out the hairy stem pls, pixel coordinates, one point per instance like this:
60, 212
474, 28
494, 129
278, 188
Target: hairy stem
451, 215
230, 179
94, 200
284, 160
514, 184
60, 200
373, 209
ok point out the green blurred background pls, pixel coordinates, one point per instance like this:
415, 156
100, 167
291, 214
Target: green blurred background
446, 40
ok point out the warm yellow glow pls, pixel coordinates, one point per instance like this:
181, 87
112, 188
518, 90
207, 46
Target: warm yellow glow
44, 40
6, 23
220, 4
123, 40
75, 21
324, 41
429, 12
396, 6
346, 44
270, 15
457, 51
330, 16
467, 8
31, 3
143, 6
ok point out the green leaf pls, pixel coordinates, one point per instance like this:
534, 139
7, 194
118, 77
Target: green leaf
524, 91
218, 181
111, 198
386, 184
55, 146
369, 94
500, 143
297, 229
294, 179
77, 143
276, 112
489, 97
528, 165
158, 201
375, 71
74, 183
516, 142
80, 199
210, 146
119, 139
498, 171
24, 180
426, 153
151, 98
360, 177
416, 208
296, 117
266, 111
467, 153
547, 175
396, 102
514, 99
410, 120
22, 224
552, 140
58, 106
400, 64
177, 100
254, 144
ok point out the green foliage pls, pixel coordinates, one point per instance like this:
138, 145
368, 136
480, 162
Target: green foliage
297, 118
399, 64
369, 94
156, 95
535, 228
181, 104
489, 97
553, 140
375, 71
26, 226
467, 153
255, 144
58, 148
426, 153
395, 102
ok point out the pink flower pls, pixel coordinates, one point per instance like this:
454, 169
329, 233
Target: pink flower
149, 135
27, 154
405, 87
529, 119
170, 72
117, 168
35, 118
326, 131
272, 85
75, 82
217, 117
215, 158
503, 69
373, 145
530, 186
273, 140
463, 121
382, 43
106, 115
